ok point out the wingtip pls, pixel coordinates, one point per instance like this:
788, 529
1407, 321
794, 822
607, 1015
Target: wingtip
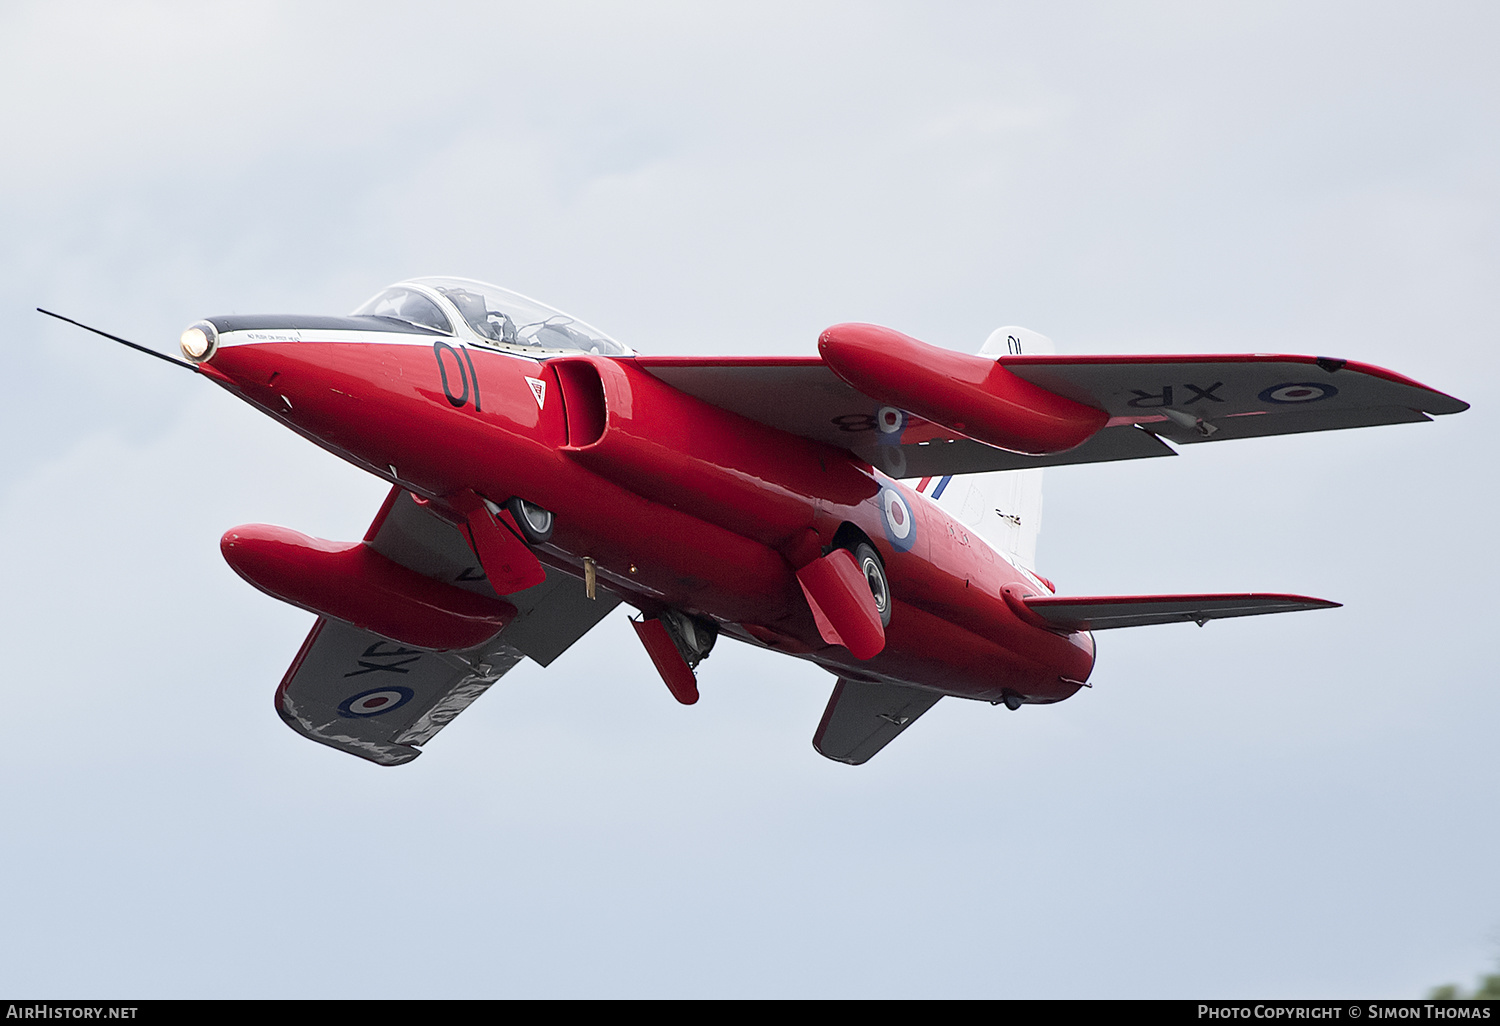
1311, 601
1441, 404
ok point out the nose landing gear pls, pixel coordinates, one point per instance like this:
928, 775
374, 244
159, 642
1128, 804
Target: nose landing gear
694, 636
677, 642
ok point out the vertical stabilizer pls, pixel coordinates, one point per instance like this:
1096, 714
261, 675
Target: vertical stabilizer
1005, 507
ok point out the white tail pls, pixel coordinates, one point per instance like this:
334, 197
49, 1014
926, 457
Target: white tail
1004, 507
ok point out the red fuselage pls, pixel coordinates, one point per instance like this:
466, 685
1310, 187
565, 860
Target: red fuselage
679, 503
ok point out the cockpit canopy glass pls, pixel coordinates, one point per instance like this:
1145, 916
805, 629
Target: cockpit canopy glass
407, 305
507, 318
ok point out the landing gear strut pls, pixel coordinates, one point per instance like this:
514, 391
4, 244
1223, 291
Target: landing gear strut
694, 636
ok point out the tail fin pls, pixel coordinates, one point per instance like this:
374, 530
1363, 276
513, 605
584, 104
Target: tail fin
1003, 507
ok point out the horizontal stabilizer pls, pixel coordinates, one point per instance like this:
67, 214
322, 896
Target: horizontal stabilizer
863, 717
1098, 613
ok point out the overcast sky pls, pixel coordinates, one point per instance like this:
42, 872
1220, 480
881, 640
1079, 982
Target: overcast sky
1290, 806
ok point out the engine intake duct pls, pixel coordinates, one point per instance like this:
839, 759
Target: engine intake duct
677, 450
350, 581
972, 395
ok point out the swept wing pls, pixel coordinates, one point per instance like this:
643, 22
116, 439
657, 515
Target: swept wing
1149, 399
372, 697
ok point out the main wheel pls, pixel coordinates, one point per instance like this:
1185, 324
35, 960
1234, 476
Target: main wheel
869, 564
535, 523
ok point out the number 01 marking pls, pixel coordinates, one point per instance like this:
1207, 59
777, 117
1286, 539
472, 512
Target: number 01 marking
467, 376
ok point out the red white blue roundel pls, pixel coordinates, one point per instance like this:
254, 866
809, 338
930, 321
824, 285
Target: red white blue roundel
895, 514
1298, 392
375, 702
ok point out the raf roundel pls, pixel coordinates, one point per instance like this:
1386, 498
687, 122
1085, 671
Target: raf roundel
895, 514
1298, 392
375, 702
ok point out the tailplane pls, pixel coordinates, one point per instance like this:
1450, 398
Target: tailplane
1102, 612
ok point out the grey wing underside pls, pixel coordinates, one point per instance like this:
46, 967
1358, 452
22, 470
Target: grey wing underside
356, 691
863, 717
966, 456
364, 694
1151, 400
804, 397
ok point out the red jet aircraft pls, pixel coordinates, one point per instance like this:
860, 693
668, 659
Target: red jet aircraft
872, 509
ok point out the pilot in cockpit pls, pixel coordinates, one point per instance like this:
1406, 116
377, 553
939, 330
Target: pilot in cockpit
492, 324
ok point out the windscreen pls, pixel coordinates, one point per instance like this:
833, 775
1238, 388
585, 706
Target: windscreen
406, 305
508, 318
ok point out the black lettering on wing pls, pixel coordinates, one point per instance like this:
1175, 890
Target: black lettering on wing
1205, 393
1144, 400
369, 667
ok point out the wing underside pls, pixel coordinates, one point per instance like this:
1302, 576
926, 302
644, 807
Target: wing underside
1151, 400
372, 697
378, 699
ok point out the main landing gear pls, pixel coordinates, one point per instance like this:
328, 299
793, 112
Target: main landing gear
869, 565
534, 522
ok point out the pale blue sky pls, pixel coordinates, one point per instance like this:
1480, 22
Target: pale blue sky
1289, 806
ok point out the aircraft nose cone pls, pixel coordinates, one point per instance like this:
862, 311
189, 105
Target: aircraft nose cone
252, 370
335, 392
307, 383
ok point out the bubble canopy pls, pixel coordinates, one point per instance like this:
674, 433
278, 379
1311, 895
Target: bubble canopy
497, 317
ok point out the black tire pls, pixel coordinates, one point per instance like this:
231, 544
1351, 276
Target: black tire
535, 523
868, 561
